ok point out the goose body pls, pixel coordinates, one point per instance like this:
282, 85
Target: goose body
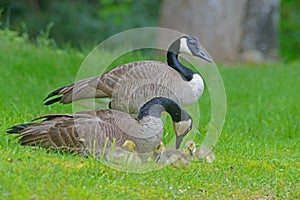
204, 154
131, 85
176, 157
124, 155
92, 132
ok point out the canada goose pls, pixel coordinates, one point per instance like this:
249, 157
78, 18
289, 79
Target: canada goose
205, 154
131, 85
123, 155
92, 132
157, 154
129, 145
190, 148
176, 157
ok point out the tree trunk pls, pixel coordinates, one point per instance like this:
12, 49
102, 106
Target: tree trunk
226, 28
261, 28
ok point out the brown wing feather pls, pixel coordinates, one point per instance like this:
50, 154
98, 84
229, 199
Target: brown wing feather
83, 131
103, 86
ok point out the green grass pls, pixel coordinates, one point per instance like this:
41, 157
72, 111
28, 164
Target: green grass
257, 155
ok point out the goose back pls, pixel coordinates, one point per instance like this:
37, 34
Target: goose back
92, 132
131, 85
153, 79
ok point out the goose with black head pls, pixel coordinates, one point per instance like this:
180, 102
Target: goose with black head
130, 85
94, 132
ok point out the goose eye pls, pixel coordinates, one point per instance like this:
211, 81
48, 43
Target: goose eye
192, 42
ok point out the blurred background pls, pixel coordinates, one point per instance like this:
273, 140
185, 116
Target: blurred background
253, 31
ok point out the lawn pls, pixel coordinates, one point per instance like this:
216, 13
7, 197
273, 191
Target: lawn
257, 155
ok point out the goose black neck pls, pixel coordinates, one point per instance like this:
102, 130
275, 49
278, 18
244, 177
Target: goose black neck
172, 59
157, 105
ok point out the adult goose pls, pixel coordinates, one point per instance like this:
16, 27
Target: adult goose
93, 132
131, 85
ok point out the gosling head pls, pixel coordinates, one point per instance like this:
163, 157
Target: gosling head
160, 148
182, 128
189, 45
129, 145
190, 146
158, 152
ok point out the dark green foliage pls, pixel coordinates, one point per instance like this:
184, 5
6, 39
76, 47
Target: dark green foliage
84, 23
78, 22
290, 29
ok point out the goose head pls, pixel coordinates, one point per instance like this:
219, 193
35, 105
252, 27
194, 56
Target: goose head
182, 127
190, 147
189, 45
182, 121
160, 148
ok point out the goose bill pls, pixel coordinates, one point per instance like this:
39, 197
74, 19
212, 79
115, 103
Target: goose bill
192, 151
181, 128
203, 55
179, 139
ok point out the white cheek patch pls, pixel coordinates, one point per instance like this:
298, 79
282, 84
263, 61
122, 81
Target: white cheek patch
184, 47
181, 127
